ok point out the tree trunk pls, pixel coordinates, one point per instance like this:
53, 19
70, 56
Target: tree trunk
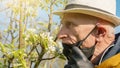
21, 27
50, 17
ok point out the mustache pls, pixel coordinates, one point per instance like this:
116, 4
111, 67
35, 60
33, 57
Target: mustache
56, 38
74, 44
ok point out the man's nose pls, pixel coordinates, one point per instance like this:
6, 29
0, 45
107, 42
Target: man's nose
62, 33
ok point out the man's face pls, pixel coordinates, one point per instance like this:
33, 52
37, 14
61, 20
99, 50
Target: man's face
75, 27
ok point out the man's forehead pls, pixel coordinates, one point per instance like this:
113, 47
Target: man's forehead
78, 15
73, 14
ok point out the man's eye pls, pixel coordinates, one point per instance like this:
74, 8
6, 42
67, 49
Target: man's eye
69, 24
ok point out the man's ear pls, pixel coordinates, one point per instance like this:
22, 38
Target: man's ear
101, 31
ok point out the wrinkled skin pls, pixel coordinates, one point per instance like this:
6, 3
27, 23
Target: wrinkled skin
75, 27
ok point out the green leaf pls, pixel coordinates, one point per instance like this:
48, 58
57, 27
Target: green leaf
61, 56
2, 47
1, 65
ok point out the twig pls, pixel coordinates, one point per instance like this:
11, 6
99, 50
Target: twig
49, 58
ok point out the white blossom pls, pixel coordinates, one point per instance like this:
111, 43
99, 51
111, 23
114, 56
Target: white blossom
32, 30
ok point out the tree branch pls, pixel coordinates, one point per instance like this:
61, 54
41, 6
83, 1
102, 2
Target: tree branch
49, 58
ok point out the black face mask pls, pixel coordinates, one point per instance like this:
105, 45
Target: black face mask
88, 52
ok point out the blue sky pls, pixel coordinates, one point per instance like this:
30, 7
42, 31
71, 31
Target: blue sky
118, 8
117, 29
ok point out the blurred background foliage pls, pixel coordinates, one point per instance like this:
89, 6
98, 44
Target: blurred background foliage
28, 33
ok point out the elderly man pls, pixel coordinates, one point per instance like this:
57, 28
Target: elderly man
89, 26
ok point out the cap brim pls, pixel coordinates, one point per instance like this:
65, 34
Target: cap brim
106, 16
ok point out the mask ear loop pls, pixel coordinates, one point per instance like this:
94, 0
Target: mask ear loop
87, 35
